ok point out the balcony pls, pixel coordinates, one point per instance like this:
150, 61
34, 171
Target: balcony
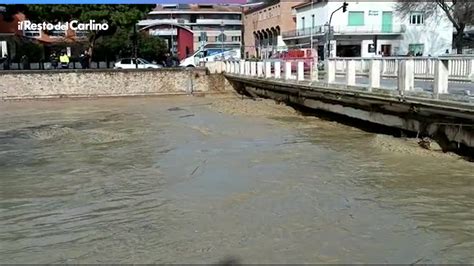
148, 22
219, 21
394, 29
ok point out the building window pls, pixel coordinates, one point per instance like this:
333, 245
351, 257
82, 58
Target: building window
416, 49
202, 38
302, 23
416, 18
221, 38
82, 33
356, 18
236, 38
57, 33
31, 33
312, 21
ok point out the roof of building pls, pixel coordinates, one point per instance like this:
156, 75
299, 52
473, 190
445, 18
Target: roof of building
197, 8
262, 6
305, 3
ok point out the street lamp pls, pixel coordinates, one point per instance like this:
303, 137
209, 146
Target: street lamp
311, 38
222, 38
327, 27
312, 26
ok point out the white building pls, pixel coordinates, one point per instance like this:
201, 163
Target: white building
219, 23
356, 30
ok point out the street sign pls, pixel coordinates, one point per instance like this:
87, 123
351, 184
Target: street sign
373, 13
371, 48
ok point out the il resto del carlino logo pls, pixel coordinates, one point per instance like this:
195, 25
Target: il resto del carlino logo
74, 25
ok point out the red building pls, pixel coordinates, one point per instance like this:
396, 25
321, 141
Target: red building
179, 38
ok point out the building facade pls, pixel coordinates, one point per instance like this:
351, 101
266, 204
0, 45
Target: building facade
369, 29
220, 24
263, 27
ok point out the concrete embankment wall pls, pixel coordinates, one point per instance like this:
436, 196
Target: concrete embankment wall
451, 124
107, 83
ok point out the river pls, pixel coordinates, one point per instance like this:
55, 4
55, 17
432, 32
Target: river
200, 179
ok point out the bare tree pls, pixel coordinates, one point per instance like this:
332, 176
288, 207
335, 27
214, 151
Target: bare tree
459, 12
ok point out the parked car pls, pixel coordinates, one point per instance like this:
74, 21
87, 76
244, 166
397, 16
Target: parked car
129, 63
212, 52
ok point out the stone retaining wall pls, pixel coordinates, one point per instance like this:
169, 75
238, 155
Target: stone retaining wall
97, 83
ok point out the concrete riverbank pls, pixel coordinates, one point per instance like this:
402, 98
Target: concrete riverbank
46, 84
451, 124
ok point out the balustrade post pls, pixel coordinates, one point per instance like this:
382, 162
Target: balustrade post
331, 71
441, 76
236, 67
247, 68
471, 69
287, 70
350, 73
226, 67
253, 69
268, 69
314, 70
374, 74
406, 75
300, 71
242, 67
260, 69
277, 69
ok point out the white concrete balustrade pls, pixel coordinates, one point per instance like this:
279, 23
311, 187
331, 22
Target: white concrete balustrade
406, 69
424, 67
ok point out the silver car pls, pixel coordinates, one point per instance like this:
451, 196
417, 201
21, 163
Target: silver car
129, 63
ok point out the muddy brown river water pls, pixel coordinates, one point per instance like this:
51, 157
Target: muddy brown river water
196, 180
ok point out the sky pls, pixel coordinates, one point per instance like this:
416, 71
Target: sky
123, 1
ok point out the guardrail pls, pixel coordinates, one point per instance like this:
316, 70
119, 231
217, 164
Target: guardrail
406, 71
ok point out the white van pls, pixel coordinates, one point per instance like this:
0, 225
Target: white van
211, 53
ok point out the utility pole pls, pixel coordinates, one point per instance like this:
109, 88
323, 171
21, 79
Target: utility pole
135, 45
222, 38
311, 38
312, 26
172, 36
329, 31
